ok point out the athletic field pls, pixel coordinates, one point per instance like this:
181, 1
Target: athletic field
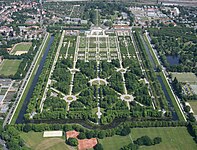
21, 48
9, 67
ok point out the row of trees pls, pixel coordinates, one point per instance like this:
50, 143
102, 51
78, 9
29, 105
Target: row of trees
26, 59
34, 104
144, 140
160, 101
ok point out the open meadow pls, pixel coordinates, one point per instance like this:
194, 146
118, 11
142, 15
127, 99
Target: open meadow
171, 139
9, 67
35, 141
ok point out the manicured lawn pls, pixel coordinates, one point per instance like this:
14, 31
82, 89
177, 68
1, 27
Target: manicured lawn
172, 138
185, 77
35, 141
22, 47
194, 106
30, 141
115, 142
9, 67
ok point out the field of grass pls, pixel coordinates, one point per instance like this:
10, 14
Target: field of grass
172, 139
22, 47
9, 67
35, 141
185, 77
115, 142
194, 106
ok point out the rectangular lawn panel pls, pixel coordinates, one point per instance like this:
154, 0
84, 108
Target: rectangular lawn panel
115, 142
172, 138
24, 46
9, 67
185, 77
35, 141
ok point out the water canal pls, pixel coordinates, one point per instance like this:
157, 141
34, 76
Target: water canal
20, 118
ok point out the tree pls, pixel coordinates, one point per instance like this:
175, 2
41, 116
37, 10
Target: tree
131, 146
101, 134
187, 109
157, 140
125, 131
72, 142
98, 146
81, 135
144, 140
27, 128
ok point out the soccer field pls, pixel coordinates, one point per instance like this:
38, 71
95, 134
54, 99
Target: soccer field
172, 139
9, 67
21, 48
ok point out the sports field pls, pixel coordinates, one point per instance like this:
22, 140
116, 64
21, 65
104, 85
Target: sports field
9, 67
21, 48
172, 139
35, 141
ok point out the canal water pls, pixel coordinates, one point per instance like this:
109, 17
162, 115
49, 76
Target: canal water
20, 118
148, 53
170, 105
173, 61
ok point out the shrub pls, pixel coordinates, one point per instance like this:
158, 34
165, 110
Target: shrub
72, 142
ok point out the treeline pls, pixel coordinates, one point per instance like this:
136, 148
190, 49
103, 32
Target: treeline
154, 83
12, 137
34, 104
144, 140
116, 82
192, 128
62, 75
26, 60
